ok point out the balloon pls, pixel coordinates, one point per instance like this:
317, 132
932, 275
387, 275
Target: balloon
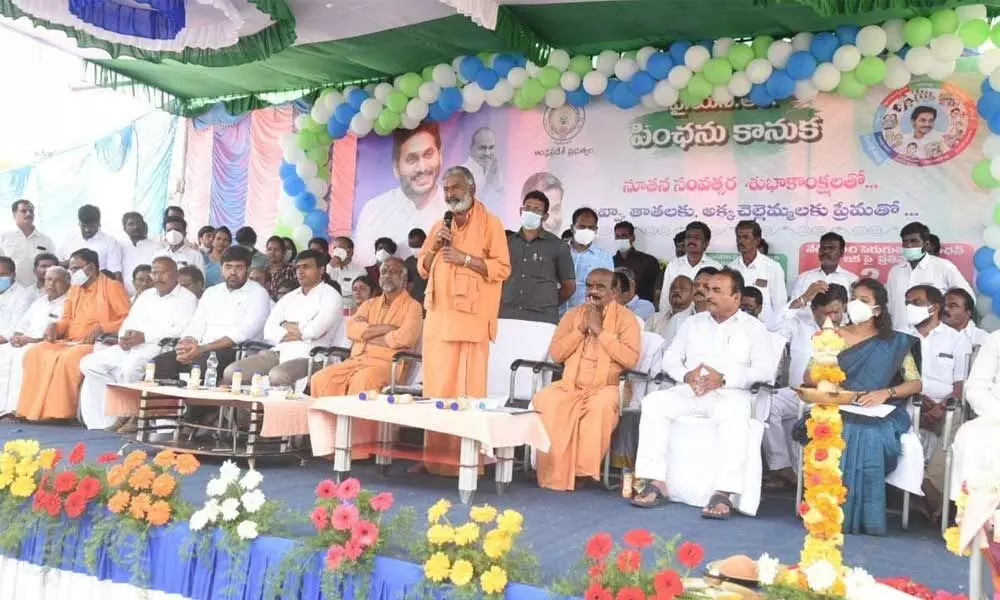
896, 74
500, 95
435, 112
983, 258
941, 69
361, 124
688, 99
370, 108
555, 97
919, 61
801, 65
642, 83
305, 202
286, 141
625, 69
846, 58
406, 122
991, 236
303, 122
968, 12
806, 90
606, 62
760, 96
850, 87
317, 221
740, 56
982, 176
301, 234
337, 128
450, 99
802, 41
759, 70
533, 91
894, 34
581, 64
677, 50
286, 170
396, 102
427, 74
570, 80
595, 83
739, 85
470, 67
974, 33
760, 45
658, 65
291, 217
578, 97
429, 91
989, 61
947, 46
721, 95
721, 47
944, 21
995, 169
780, 84
444, 75
549, 77
517, 76
870, 70
991, 145
679, 77
779, 52
293, 186
306, 170
317, 187
343, 113
642, 56
503, 63
486, 79
664, 94
695, 57
871, 40
823, 46
622, 97
474, 94
718, 71
382, 91
918, 31
990, 322
320, 113
355, 97
331, 98
847, 34
296, 154
558, 59
988, 281
699, 87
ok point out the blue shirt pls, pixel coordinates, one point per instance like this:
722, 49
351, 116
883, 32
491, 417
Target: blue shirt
642, 308
584, 262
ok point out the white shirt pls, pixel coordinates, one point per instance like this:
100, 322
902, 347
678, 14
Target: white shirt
975, 335
14, 303
159, 317
982, 388
944, 356
109, 251
675, 321
931, 270
23, 248
133, 255
489, 190
184, 256
393, 215
739, 348
317, 313
345, 276
679, 267
840, 276
237, 314
40, 315
798, 330
765, 274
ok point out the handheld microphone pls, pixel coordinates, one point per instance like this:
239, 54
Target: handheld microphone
448, 217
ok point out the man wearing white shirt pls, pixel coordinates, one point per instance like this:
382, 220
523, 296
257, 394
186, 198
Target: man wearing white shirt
14, 299
344, 269
715, 358
42, 263
304, 318
25, 241
484, 166
759, 270
161, 312
958, 310
177, 250
697, 236
666, 323
815, 281
109, 251
417, 202
918, 268
137, 250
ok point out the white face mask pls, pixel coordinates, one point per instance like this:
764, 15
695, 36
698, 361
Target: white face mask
339, 253
530, 220
915, 315
382, 255
174, 237
859, 312
78, 278
623, 245
584, 237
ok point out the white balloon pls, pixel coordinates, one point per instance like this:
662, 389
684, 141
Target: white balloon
383, 90
871, 40
417, 109
294, 155
696, 56
801, 41
969, 12
474, 94
467, 106
320, 113
302, 122
941, 69
286, 142
722, 95
990, 322
625, 69
316, 186
648, 101
721, 47
995, 168
988, 61
995, 79
595, 82
559, 59
991, 148
897, 75
991, 236
555, 97
351, 88
606, 62
292, 217
370, 88
569, 81
443, 75
333, 98
517, 77
826, 77
642, 56
408, 122
990, 208
370, 108
894, 38
779, 52
758, 70
996, 261
806, 90
846, 58
984, 307
664, 95
306, 169
429, 91
456, 64
500, 95
947, 47
919, 60
740, 84
321, 204
301, 234
532, 69
679, 77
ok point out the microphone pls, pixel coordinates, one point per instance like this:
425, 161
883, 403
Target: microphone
448, 217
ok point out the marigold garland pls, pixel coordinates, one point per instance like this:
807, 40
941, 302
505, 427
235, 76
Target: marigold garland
824, 489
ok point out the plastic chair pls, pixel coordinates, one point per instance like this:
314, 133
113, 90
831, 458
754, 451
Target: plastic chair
517, 339
955, 408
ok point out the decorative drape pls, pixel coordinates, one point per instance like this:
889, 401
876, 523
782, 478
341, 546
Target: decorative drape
197, 176
264, 186
230, 161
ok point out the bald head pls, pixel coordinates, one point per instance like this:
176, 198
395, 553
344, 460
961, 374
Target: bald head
392, 275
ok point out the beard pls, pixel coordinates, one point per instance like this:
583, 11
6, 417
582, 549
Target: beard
461, 205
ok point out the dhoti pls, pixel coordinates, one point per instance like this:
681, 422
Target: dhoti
106, 365
353, 376
779, 447
51, 381
11, 375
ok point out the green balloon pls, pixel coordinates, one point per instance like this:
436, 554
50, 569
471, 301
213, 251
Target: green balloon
634, 55
981, 175
428, 73
549, 77
688, 99
944, 21
409, 84
918, 31
850, 87
324, 174
974, 33
533, 91
995, 35
323, 139
283, 230
388, 119
380, 129
740, 56
396, 101
871, 70
319, 156
305, 139
996, 215
760, 45
699, 87
581, 64
718, 71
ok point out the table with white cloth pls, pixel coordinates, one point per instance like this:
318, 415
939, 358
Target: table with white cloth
273, 421
495, 432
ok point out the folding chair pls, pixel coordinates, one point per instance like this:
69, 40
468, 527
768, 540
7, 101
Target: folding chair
955, 408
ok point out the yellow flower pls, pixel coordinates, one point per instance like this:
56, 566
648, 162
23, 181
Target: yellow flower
27, 467
47, 458
493, 581
962, 501
22, 487
6, 479
497, 543
483, 514
7, 461
437, 568
24, 448
951, 540
440, 534
510, 521
466, 534
461, 572
440, 509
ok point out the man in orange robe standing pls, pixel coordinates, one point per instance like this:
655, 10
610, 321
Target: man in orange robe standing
595, 341
465, 266
95, 305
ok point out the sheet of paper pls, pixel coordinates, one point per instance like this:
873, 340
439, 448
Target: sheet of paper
881, 411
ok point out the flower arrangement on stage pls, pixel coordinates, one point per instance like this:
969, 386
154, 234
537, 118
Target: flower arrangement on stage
67, 491
236, 504
478, 557
908, 586
22, 467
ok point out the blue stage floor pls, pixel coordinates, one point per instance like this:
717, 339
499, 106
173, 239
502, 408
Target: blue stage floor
557, 524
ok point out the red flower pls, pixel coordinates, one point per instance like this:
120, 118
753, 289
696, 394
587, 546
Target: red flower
690, 554
58, 457
667, 584
38, 501
89, 487
822, 430
381, 502
349, 489
53, 505
595, 571
75, 505
628, 560
353, 550
597, 592
365, 533
78, 453
630, 593
334, 556
65, 482
344, 517
326, 489
638, 538
599, 546
803, 508
320, 518
821, 454
107, 457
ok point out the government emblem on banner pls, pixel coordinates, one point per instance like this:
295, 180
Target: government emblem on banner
564, 123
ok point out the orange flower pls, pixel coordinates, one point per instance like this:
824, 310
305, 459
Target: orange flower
158, 514
134, 459
116, 475
119, 502
187, 464
140, 504
165, 459
164, 485
142, 479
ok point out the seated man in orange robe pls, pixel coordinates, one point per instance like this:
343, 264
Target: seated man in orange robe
95, 305
595, 341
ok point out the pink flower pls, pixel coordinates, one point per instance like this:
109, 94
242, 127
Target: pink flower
334, 556
353, 550
326, 489
320, 518
344, 517
349, 489
381, 502
364, 533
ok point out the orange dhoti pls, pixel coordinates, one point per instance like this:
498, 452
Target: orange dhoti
579, 422
51, 384
353, 376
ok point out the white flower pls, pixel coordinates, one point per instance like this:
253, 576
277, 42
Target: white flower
252, 501
251, 480
767, 569
216, 487
857, 581
230, 509
198, 520
821, 576
212, 510
247, 530
229, 472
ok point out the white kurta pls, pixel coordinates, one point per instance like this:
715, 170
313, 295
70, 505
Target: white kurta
40, 314
393, 215
682, 266
237, 314
931, 270
22, 249
797, 329
14, 303
133, 255
184, 257
977, 443
109, 251
317, 313
765, 274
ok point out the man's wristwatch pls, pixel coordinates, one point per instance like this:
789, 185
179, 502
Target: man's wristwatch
468, 259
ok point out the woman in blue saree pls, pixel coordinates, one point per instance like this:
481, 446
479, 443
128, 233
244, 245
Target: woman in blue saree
882, 365
213, 266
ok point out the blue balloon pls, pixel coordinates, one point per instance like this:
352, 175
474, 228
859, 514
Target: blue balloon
623, 97
293, 186
613, 83
847, 34
305, 202
823, 45
578, 97
503, 63
995, 305
469, 67
780, 84
707, 44
988, 104
286, 170
677, 50
801, 65
344, 113
760, 96
988, 281
355, 97
450, 99
983, 258
659, 64
437, 112
318, 221
985, 85
994, 123
336, 129
642, 83
522, 60
487, 79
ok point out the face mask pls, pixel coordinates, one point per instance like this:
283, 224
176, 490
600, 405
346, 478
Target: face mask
78, 277
584, 237
915, 315
859, 312
913, 253
530, 220
5, 283
339, 253
623, 245
174, 237
382, 255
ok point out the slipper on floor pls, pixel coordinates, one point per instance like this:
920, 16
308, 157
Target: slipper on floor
714, 501
659, 498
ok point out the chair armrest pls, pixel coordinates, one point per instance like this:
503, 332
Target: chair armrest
629, 374
317, 350
169, 342
952, 403
252, 345
404, 355
536, 366
109, 339
339, 351
664, 378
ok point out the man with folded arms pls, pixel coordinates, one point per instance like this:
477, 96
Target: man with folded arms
595, 341
160, 312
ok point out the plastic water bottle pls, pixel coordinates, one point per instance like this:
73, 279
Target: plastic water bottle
212, 371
